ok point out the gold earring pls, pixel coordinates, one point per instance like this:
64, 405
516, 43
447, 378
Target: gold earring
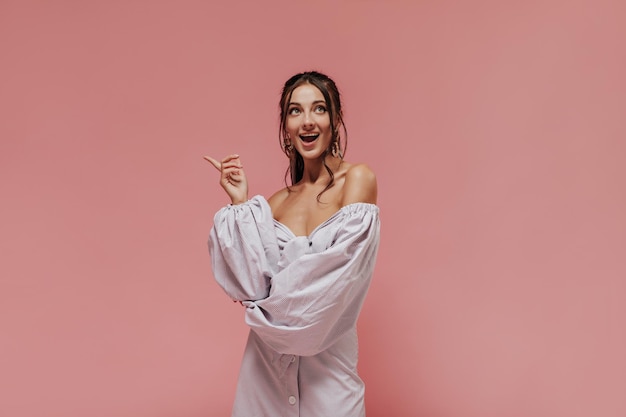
287, 147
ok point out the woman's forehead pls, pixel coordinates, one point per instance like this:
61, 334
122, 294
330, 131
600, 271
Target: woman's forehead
306, 93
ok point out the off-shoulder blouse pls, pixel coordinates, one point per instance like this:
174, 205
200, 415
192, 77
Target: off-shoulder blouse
303, 295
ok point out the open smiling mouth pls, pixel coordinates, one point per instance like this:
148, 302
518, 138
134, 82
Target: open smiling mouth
309, 138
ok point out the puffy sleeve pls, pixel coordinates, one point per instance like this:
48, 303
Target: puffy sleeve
317, 298
244, 249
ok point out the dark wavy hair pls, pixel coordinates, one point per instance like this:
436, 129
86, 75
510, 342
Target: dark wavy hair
333, 100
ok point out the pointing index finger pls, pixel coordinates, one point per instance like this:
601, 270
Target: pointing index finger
214, 162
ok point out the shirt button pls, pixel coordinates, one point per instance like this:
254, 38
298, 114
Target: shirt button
292, 400
293, 359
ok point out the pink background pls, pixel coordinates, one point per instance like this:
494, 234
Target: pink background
497, 130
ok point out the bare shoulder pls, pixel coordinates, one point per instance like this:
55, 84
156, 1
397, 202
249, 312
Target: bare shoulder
277, 199
360, 185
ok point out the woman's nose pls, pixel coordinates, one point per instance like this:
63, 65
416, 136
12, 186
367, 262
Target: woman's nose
308, 120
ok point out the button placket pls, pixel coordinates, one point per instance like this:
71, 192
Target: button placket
291, 390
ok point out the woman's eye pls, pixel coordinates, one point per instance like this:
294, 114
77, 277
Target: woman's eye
320, 109
294, 110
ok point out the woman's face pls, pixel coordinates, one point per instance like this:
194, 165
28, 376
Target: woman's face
308, 121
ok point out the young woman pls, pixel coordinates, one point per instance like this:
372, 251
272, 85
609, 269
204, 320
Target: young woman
300, 262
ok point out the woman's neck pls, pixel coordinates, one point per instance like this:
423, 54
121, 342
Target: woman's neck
315, 171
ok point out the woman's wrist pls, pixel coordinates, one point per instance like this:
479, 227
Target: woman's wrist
236, 202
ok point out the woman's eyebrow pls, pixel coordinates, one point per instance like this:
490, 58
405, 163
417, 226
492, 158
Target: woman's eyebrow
315, 102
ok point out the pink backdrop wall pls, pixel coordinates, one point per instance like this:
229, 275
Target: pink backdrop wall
496, 130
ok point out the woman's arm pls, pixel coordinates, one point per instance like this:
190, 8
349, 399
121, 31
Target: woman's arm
242, 241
